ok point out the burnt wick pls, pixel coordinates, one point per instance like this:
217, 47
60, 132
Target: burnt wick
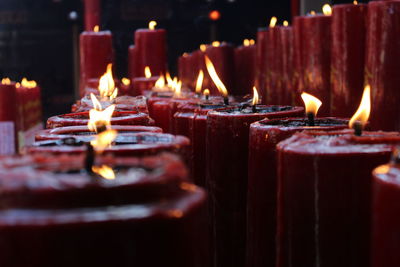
311, 119
90, 158
357, 128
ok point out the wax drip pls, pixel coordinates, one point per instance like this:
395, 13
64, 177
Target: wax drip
357, 128
311, 119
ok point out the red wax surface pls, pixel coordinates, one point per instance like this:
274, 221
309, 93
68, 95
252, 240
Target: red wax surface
288, 92
385, 216
382, 64
82, 118
133, 68
122, 103
348, 57
261, 61
298, 33
92, 14
142, 84
151, 49
227, 161
262, 184
273, 66
96, 52
245, 68
324, 196
61, 216
313, 37
184, 69
222, 58
83, 133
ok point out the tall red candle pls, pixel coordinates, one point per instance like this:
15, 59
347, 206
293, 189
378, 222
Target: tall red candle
273, 66
261, 61
262, 184
9, 123
92, 14
245, 68
151, 49
147, 216
227, 161
324, 196
288, 92
313, 44
382, 64
385, 241
133, 68
96, 52
348, 57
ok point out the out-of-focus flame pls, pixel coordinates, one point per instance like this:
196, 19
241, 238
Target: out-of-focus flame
363, 111
104, 171
246, 42
252, 42
216, 43
178, 89
199, 82
214, 76
355, 2
107, 85
147, 72
327, 10
103, 140
273, 22
285, 23
206, 92
28, 84
96, 28
255, 96
160, 83
312, 13
126, 81
152, 25
96, 104
100, 119
6, 81
312, 103
203, 48
169, 79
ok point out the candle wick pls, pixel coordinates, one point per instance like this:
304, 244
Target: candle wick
254, 108
207, 97
90, 158
311, 119
357, 128
226, 101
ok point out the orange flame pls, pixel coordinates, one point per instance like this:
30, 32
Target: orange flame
96, 103
170, 81
246, 42
327, 10
100, 118
147, 72
126, 81
203, 47
104, 171
28, 84
252, 42
362, 114
215, 43
152, 25
103, 140
6, 81
206, 92
160, 83
312, 12
355, 2
255, 96
214, 76
107, 85
199, 82
312, 103
96, 28
273, 22
285, 23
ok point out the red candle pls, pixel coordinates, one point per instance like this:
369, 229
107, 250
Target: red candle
262, 184
133, 67
382, 64
92, 14
184, 69
313, 50
9, 123
122, 103
222, 57
298, 55
288, 92
151, 49
348, 56
83, 132
198, 63
82, 118
142, 84
227, 156
245, 67
96, 52
147, 216
385, 215
324, 196
261, 61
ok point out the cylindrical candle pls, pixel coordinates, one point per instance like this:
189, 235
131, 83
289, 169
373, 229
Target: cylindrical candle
273, 66
385, 240
261, 61
142, 84
324, 196
348, 57
382, 65
245, 69
147, 216
288, 92
227, 161
262, 184
9, 123
122, 103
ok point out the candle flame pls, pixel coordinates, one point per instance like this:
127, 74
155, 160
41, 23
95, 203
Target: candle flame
152, 25
327, 10
107, 85
214, 76
96, 104
355, 2
177, 89
6, 81
100, 118
312, 103
104, 171
206, 92
273, 22
169, 79
96, 28
255, 96
363, 111
147, 72
160, 83
216, 43
103, 140
246, 42
285, 23
203, 48
126, 81
312, 12
199, 82
28, 84
252, 42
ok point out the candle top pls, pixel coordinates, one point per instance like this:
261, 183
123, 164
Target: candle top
246, 109
340, 142
304, 122
123, 103
388, 173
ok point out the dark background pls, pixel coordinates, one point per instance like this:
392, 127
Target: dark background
38, 38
